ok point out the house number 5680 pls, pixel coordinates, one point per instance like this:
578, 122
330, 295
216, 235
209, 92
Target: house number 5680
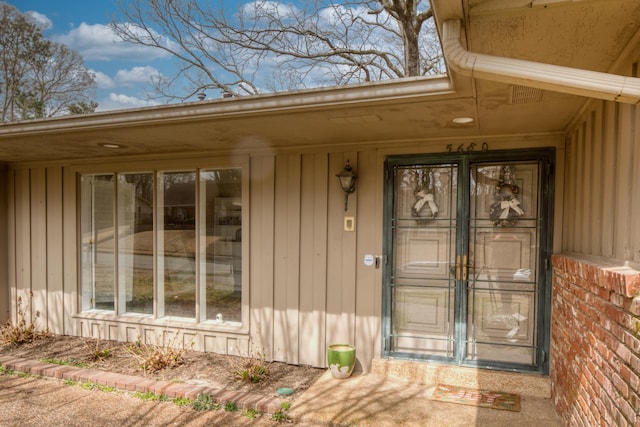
470, 147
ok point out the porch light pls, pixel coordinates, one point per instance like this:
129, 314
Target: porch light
347, 182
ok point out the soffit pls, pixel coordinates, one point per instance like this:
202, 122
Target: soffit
585, 34
582, 34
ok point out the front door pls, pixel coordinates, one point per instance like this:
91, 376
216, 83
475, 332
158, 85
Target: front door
467, 249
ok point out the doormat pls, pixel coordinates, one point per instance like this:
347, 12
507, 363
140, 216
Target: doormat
475, 397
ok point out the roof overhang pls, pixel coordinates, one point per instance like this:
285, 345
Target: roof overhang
588, 34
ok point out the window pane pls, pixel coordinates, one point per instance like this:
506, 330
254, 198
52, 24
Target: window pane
135, 242
222, 196
97, 241
177, 232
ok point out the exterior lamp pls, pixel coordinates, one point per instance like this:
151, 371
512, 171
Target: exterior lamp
347, 182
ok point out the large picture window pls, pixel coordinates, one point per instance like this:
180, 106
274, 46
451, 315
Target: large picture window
163, 244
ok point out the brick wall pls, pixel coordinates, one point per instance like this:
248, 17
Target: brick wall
595, 343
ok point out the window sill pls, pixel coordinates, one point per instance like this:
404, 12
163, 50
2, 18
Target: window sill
165, 322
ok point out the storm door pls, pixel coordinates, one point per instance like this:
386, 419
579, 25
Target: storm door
467, 259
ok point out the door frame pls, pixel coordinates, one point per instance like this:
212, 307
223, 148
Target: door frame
547, 157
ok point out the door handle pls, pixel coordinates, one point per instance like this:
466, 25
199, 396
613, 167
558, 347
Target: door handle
460, 270
464, 267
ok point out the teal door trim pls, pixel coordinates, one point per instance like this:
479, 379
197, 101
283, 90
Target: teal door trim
464, 162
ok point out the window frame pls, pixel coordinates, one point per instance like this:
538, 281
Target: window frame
117, 168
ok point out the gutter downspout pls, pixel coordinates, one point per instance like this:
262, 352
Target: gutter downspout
555, 78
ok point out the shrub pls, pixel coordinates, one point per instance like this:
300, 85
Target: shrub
250, 369
153, 358
23, 331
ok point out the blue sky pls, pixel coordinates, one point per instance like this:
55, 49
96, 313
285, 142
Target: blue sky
122, 70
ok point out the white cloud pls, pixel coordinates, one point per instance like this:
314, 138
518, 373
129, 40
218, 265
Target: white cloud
136, 75
98, 42
283, 10
42, 20
119, 101
103, 81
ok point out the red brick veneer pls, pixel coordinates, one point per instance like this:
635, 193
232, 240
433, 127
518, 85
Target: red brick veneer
595, 343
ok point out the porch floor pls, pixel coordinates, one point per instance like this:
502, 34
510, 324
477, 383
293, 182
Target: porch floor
384, 398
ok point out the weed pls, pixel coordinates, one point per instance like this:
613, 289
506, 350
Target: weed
182, 401
70, 362
281, 415
149, 396
204, 402
250, 369
70, 382
23, 331
153, 358
105, 388
6, 371
252, 413
96, 350
87, 385
231, 407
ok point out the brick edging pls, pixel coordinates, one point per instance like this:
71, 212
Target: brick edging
259, 402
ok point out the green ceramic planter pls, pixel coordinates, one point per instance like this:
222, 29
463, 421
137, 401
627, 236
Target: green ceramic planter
341, 359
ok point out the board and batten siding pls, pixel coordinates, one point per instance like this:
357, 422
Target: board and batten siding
4, 247
602, 178
308, 287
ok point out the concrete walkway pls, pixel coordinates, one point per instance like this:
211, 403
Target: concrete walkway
361, 400
371, 400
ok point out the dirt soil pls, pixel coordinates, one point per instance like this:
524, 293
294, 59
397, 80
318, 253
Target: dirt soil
199, 368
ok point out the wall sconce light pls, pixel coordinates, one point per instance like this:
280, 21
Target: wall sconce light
347, 182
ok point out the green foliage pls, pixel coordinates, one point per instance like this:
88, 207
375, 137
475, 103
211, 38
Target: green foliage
96, 350
70, 382
204, 402
105, 388
87, 385
24, 331
250, 369
281, 414
182, 401
38, 77
252, 413
231, 407
149, 396
6, 371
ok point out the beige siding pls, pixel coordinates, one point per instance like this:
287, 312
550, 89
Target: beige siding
23, 240
313, 258
261, 253
307, 284
4, 258
54, 236
602, 177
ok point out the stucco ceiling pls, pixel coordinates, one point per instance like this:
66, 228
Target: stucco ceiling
581, 33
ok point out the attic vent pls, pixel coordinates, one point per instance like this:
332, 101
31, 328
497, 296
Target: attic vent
524, 95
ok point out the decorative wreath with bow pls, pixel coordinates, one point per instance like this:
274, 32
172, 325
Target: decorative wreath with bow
506, 209
425, 207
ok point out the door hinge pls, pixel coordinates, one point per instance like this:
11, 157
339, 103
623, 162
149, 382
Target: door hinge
543, 356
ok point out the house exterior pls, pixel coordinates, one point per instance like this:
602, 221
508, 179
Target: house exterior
493, 224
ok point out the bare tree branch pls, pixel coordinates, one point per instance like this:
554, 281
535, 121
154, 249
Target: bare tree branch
266, 45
